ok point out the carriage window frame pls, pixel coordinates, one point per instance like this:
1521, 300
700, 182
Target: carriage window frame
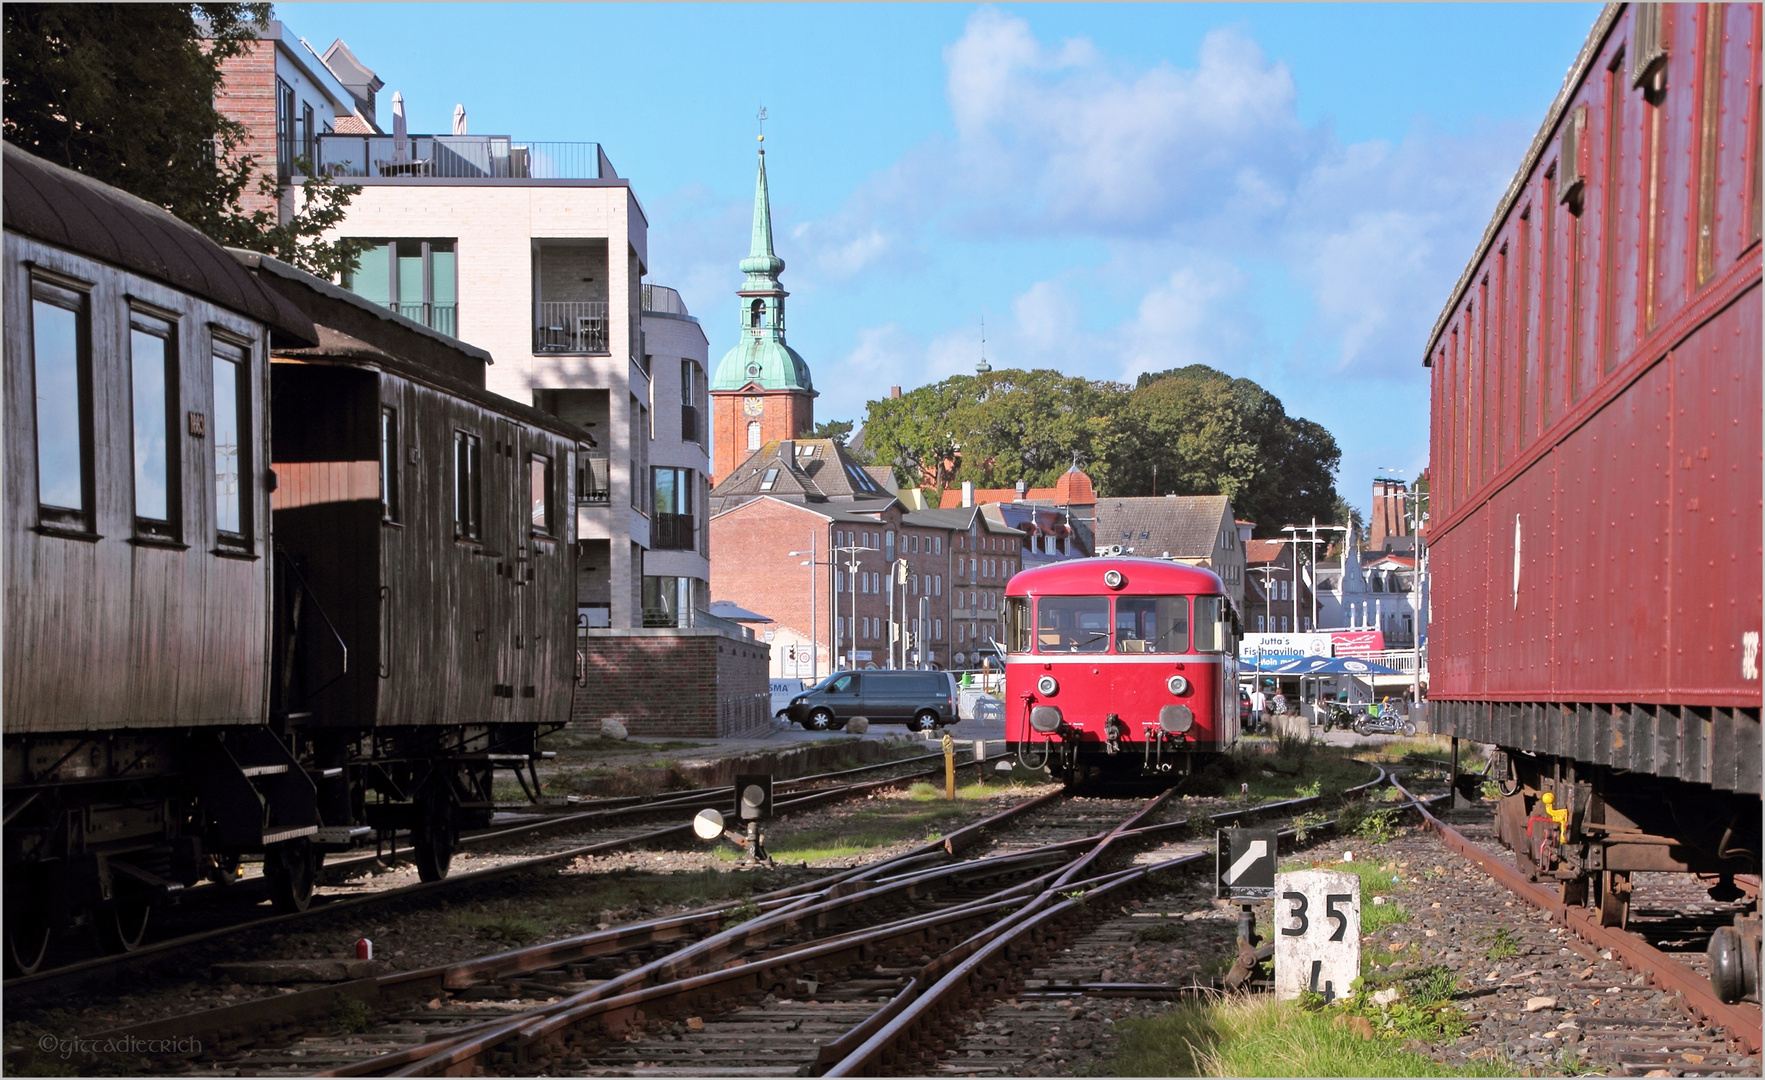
468, 487
224, 349
146, 324
1219, 632
1179, 644
77, 522
542, 515
389, 478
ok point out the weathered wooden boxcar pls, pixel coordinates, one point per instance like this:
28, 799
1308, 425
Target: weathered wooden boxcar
425, 541
137, 445
252, 608
1595, 481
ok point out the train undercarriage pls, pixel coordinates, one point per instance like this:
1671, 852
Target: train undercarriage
102, 829
1591, 828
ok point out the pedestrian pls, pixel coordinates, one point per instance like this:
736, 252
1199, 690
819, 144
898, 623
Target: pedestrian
1259, 701
1280, 703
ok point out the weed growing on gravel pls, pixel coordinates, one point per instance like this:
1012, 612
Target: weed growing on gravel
352, 1015
1163, 932
498, 926
922, 791
882, 822
1423, 1010
741, 913
1502, 944
1305, 824
1378, 826
1259, 1036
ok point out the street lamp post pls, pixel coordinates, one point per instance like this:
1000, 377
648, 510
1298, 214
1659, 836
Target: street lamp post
814, 614
1314, 529
852, 551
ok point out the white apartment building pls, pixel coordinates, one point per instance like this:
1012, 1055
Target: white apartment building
534, 251
677, 565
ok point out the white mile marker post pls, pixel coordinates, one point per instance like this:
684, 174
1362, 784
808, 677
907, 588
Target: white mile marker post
1317, 933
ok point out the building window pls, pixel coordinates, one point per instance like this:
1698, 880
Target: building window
753, 435
61, 355
667, 601
228, 433
671, 528
768, 481
689, 401
468, 487
154, 383
415, 277
539, 486
284, 131
388, 463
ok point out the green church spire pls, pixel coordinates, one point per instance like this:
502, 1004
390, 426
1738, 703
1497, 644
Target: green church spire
761, 359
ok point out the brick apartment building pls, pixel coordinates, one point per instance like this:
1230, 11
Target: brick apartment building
850, 576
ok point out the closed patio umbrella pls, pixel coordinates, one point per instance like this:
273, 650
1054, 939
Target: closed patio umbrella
399, 154
459, 119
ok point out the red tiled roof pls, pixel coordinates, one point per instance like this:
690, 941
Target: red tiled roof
1072, 489
1263, 551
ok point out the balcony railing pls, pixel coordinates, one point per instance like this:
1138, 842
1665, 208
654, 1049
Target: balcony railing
671, 532
593, 481
459, 157
662, 299
571, 327
438, 317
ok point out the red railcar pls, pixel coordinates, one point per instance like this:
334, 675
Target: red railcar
1596, 513
1119, 667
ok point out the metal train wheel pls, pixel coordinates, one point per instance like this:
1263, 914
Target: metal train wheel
433, 837
27, 942
291, 868
121, 924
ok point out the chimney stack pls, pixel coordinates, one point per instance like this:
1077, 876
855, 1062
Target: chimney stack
787, 450
894, 391
1022, 490
968, 493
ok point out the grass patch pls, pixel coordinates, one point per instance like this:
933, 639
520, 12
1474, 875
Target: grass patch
1290, 767
1263, 1037
1501, 944
499, 926
1377, 879
888, 821
352, 1015
923, 791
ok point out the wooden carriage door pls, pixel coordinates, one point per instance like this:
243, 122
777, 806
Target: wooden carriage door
507, 526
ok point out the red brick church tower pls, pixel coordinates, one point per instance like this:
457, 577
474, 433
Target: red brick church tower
761, 390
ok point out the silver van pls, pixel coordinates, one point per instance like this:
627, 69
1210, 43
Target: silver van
923, 700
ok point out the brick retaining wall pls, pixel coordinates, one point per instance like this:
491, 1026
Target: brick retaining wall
689, 683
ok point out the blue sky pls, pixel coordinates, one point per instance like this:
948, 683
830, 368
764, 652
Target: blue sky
1284, 192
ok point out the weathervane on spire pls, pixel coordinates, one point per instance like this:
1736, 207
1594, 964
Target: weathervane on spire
762, 121
983, 367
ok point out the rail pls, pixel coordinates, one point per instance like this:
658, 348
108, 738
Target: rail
458, 157
571, 326
664, 301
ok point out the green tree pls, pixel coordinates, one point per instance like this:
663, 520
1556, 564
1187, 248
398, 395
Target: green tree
1197, 431
995, 429
837, 430
125, 93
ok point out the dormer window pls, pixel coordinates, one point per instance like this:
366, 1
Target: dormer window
767, 481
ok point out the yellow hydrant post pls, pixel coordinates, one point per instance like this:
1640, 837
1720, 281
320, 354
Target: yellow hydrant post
949, 767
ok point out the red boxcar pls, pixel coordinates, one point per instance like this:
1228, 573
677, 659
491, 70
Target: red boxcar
1596, 512
1119, 666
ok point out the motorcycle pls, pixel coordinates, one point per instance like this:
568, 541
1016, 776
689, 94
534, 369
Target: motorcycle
1388, 722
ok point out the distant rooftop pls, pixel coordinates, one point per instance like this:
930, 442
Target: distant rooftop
459, 157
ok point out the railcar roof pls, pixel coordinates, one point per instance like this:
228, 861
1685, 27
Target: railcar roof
62, 207
1084, 577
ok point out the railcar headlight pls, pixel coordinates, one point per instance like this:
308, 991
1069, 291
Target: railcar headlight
1112, 578
1177, 684
1176, 719
1046, 686
1045, 719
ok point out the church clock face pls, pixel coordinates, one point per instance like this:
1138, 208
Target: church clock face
753, 406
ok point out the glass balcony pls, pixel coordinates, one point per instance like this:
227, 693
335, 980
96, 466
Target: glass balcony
459, 157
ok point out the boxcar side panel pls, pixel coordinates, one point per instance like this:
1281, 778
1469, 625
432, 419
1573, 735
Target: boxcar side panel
1717, 507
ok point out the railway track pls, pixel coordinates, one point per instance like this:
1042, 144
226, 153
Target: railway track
839, 973
224, 914
1642, 999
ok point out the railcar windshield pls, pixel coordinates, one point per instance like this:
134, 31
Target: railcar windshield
1151, 624
1212, 633
1072, 624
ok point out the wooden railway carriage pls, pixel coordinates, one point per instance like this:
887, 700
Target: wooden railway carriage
1117, 667
425, 537
251, 609
1595, 483
137, 559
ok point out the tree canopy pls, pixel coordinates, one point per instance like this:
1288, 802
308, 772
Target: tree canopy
125, 93
1186, 431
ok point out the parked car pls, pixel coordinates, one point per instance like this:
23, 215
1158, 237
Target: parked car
923, 700
783, 690
1243, 707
